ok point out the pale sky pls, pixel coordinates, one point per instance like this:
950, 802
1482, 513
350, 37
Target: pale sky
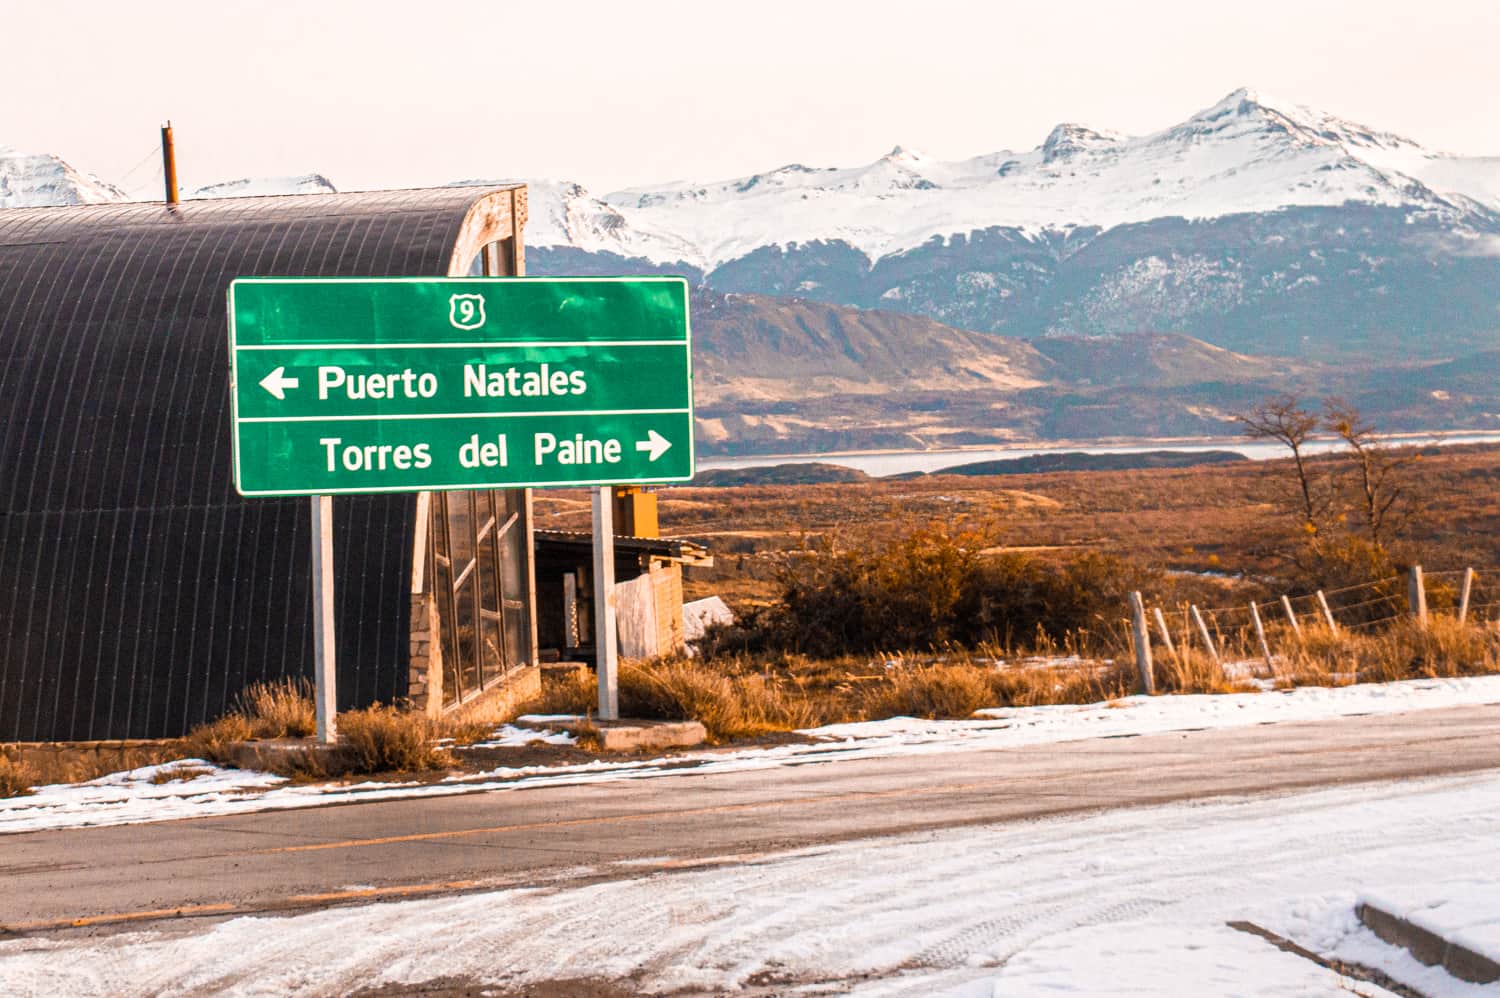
383, 94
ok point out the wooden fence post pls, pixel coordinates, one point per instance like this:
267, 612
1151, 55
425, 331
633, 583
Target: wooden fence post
1260, 635
1333, 627
1142, 643
1463, 596
1416, 596
1208, 641
1291, 616
1161, 628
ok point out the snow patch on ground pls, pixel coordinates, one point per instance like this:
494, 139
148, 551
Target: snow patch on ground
510, 736
149, 793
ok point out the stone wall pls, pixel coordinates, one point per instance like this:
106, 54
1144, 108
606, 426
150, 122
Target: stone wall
425, 671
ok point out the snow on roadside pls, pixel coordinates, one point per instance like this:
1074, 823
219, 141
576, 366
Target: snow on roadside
129, 800
510, 736
1134, 900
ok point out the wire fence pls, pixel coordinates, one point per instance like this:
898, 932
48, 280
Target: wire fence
1470, 593
1253, 631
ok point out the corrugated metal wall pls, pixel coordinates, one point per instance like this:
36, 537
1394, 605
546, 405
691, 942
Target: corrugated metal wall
138, 592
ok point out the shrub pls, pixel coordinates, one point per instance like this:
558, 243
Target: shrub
1340, 561
575, 693
1190, 670
383, 739
1017, 594
908, 594
929, 589
211, 741
728, 706
1402, 649
1086, 682
281, 709
939, 691
16, 778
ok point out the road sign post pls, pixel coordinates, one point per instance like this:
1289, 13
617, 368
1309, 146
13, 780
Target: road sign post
606, 650
325, 687
360, 385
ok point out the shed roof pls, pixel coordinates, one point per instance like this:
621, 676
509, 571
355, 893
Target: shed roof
581, 542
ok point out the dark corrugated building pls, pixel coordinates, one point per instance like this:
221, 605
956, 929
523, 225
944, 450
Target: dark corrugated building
139, 593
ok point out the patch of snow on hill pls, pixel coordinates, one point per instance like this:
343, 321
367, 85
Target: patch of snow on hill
34, 180
311, 183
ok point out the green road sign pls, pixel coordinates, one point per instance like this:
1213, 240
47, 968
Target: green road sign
408, 384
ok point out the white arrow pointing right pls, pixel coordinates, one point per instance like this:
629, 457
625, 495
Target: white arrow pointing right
655, 444
277, 382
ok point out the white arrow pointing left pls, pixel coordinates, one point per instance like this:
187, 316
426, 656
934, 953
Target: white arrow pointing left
277, 382
655, 444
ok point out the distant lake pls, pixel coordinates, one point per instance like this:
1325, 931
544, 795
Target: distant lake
901, 462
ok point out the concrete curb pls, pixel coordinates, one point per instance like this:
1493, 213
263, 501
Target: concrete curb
275, 754
1429, 947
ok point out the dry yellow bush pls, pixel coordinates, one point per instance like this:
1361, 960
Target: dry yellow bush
936, 691
279, 709
16, 778
383, 739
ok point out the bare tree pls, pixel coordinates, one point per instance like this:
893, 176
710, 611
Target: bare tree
1385, 496
1285, 419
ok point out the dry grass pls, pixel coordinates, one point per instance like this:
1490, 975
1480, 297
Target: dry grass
377, 739
934, 691
16, 777
282, 709
179, 774
574, 693
63, 764
211, 741
746, 697
1399, 650
385, 740
728, 705
1086, 682
1192, 671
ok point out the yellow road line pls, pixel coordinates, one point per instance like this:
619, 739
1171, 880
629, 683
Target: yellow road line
375, 892
129, 916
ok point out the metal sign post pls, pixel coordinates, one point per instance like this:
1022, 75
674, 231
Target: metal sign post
606, 642
324, 658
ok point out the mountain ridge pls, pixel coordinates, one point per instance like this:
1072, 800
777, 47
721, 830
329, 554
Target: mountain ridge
1245, 154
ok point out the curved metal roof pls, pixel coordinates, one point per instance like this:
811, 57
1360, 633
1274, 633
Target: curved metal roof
138, 591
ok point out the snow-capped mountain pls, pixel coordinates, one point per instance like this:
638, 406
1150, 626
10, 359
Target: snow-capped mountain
30, 180
1247, 153
1256, 224
310, 183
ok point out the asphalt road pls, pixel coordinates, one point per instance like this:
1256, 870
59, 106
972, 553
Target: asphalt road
94, 879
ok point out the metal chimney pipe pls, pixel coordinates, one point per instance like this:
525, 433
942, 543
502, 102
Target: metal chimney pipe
169, 162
